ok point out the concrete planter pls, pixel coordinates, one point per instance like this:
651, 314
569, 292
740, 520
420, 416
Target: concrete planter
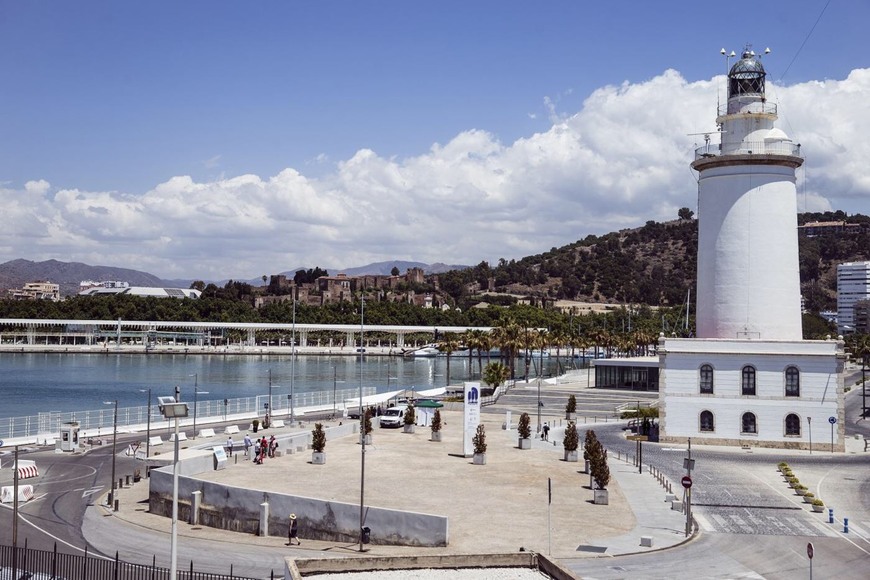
818, 508
572, 456
479, 459
409, 428
436, 436
599, 497
318, 457
524, 443
808, 499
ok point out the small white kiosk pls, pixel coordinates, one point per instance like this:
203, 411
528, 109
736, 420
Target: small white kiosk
69, 436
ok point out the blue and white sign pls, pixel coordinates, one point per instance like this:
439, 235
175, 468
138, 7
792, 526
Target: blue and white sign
1, 443
471, 417
832, 420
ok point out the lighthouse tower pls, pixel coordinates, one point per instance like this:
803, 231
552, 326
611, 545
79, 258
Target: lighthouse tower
748, 378
748, 279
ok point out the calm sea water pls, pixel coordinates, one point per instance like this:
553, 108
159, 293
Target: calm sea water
31, 383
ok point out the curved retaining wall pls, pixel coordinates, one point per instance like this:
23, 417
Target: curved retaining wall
239, 509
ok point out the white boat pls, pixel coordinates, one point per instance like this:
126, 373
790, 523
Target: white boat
428, 350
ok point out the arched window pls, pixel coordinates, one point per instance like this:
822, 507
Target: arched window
748, 383
792, 382
748, 424
707, 421
792, 424
706, 380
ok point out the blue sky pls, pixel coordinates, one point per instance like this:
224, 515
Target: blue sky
230, 139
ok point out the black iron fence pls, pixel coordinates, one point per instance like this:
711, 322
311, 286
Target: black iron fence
55, 565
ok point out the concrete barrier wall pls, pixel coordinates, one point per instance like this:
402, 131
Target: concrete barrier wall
238, 509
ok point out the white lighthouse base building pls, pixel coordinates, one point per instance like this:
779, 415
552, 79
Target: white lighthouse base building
765, 393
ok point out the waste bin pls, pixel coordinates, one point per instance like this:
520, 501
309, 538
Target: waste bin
366, 535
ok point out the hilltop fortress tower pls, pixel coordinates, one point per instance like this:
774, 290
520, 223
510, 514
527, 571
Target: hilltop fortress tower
748, 279
749, 378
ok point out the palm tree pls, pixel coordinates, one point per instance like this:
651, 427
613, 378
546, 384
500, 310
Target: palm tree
448, 344
508, 338
474, 339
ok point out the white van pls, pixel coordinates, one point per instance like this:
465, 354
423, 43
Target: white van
394, 416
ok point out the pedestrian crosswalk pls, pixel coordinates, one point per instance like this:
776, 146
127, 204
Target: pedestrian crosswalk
769, 522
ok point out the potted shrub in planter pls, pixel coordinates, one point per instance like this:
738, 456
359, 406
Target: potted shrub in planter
782, 466
571, 408
255, 425
479, 441
800, 489
591, 440
367, 427
793, 481
571, 442
436, 425
410, 419
818, 505
809, 497
524, 430
600, 473
318, 444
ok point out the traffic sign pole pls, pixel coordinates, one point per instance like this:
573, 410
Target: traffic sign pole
688, 489
810, 555
833, 421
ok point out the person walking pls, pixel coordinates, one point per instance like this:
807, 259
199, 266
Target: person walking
248, 443
273, 446
257, 458
230, 446
293, 531
546, 430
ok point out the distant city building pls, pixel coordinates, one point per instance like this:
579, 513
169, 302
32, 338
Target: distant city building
862, 316
853, 285
88, 284
142, 291
813, 229
37, 291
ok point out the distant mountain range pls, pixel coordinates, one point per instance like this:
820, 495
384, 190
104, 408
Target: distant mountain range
68, 275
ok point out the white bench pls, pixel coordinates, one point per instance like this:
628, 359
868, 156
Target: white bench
231, 429
277, 423
206, 433
182, 436
156, 440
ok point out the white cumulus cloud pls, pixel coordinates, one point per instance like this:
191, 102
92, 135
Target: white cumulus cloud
621, 160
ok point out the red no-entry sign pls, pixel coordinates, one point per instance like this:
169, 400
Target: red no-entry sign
686, 481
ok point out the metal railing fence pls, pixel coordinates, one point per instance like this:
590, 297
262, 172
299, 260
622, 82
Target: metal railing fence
86, 567
99, 422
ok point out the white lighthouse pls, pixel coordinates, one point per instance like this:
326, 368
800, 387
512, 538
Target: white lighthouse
748, 282
749, 378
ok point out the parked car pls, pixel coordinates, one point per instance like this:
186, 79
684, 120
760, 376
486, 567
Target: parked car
394, 416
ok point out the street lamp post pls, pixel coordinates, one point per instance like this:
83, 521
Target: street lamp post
196, 393
172, 409
362, 418
293, 358
148, 428
114, 449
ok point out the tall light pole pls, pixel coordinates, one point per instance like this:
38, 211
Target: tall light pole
114, 449
293, 357
196, 393
148, 428
269, 406
362, 418
172, 409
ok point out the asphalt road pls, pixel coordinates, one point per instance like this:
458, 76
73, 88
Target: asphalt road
751, 525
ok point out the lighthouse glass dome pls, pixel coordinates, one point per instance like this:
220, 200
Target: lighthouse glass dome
746, 76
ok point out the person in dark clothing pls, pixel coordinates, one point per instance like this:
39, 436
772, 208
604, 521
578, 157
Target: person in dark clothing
293, 531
